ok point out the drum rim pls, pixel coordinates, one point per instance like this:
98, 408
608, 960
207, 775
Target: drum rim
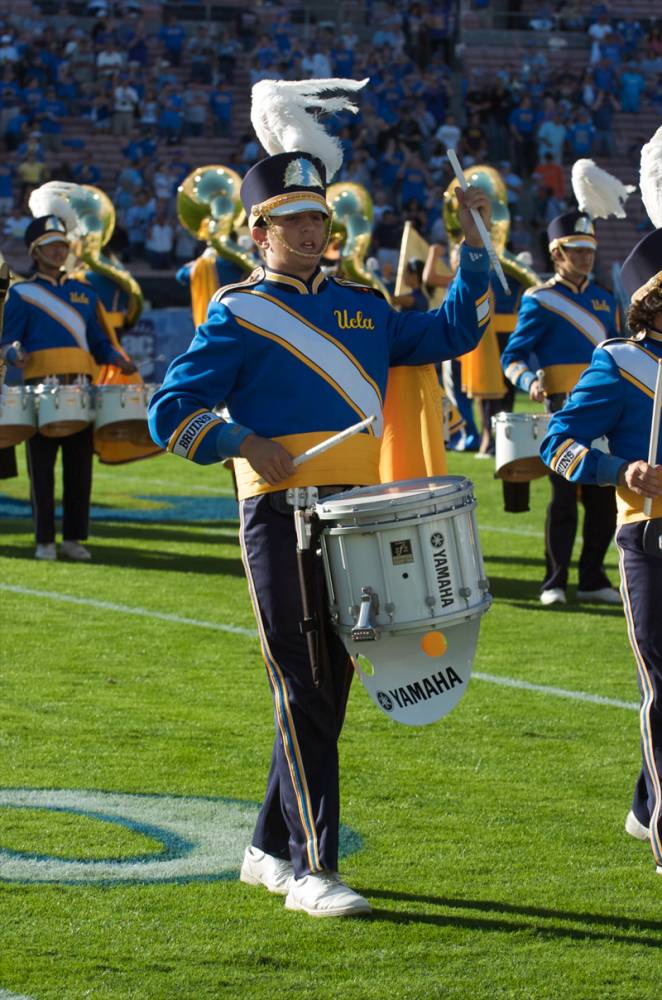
504, 417
328, 508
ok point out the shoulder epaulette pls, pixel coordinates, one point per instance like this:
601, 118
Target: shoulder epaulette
253, 279
536, 288
618, 340
357, 286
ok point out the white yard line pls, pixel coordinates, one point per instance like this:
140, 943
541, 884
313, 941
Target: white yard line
6, 995
125, 609
511, 682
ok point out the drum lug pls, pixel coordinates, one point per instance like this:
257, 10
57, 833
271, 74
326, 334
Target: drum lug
484, 584
465, 591
365, 630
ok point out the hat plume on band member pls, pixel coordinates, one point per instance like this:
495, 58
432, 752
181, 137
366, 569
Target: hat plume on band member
599, 194
650, 178
49, 200
286, 116
642, 271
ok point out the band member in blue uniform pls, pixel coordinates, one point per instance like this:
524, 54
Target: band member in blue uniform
560, 323
296, 357
614, 397
52, 328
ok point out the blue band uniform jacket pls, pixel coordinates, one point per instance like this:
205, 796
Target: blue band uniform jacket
57, 323
613, 398
297, 362
561, 325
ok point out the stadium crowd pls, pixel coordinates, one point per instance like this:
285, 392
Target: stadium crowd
156, 87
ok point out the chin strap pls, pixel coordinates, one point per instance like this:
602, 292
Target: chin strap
276, 232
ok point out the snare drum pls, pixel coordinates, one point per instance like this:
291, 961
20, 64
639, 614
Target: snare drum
121, 412
517, 441
407, 589
18, 416
63, 410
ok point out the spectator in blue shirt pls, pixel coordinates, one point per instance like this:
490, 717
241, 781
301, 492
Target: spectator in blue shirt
172, 36
7, 174
581, 136
632, 86
221, 102
603, 116
523, 120
87, 172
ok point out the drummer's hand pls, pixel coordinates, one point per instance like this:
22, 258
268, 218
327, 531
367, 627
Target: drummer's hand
642, 478
15, 355
126, 366
268, 458
473, 197
536, 392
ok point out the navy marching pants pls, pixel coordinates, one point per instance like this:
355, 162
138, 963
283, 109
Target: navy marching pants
561, 527
77, 451
641, 586
300, 816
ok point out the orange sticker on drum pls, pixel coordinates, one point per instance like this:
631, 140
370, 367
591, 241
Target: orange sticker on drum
434, 643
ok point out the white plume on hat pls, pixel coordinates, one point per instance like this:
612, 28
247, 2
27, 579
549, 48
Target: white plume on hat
650, 178
599, 194
51, 199
286, 116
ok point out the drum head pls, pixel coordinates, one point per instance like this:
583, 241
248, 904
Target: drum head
63, 428
125, 430
404, 495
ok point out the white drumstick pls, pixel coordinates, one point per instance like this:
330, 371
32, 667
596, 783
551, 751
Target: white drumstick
330, 442
333, 440
655, 432
480, 225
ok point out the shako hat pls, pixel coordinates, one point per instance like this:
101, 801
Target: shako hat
303, 156
284, 184
642, 270
43, 230
572, 229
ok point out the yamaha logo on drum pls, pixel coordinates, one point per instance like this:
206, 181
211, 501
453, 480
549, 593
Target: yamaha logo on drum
437, 540
385, 701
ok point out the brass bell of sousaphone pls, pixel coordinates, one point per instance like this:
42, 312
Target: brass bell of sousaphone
210, 209
351, 231
491, 181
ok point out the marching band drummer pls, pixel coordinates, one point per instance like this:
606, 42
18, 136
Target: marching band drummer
51, 328
614, 398
560, 323
296, 357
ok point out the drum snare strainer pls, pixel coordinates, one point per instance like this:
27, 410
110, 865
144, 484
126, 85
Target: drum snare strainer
407, 589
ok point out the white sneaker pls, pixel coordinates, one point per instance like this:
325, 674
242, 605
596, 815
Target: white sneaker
46, 552
555, 595
75, 551
635, 828
273, 873
658, 870
324, 895
604, 595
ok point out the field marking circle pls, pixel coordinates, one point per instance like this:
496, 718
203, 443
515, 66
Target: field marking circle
201, 838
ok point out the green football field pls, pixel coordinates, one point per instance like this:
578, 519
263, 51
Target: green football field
135, 734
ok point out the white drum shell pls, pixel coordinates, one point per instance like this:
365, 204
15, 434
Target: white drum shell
63, 410
18, 414
121, 412
417, 550
518, 437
